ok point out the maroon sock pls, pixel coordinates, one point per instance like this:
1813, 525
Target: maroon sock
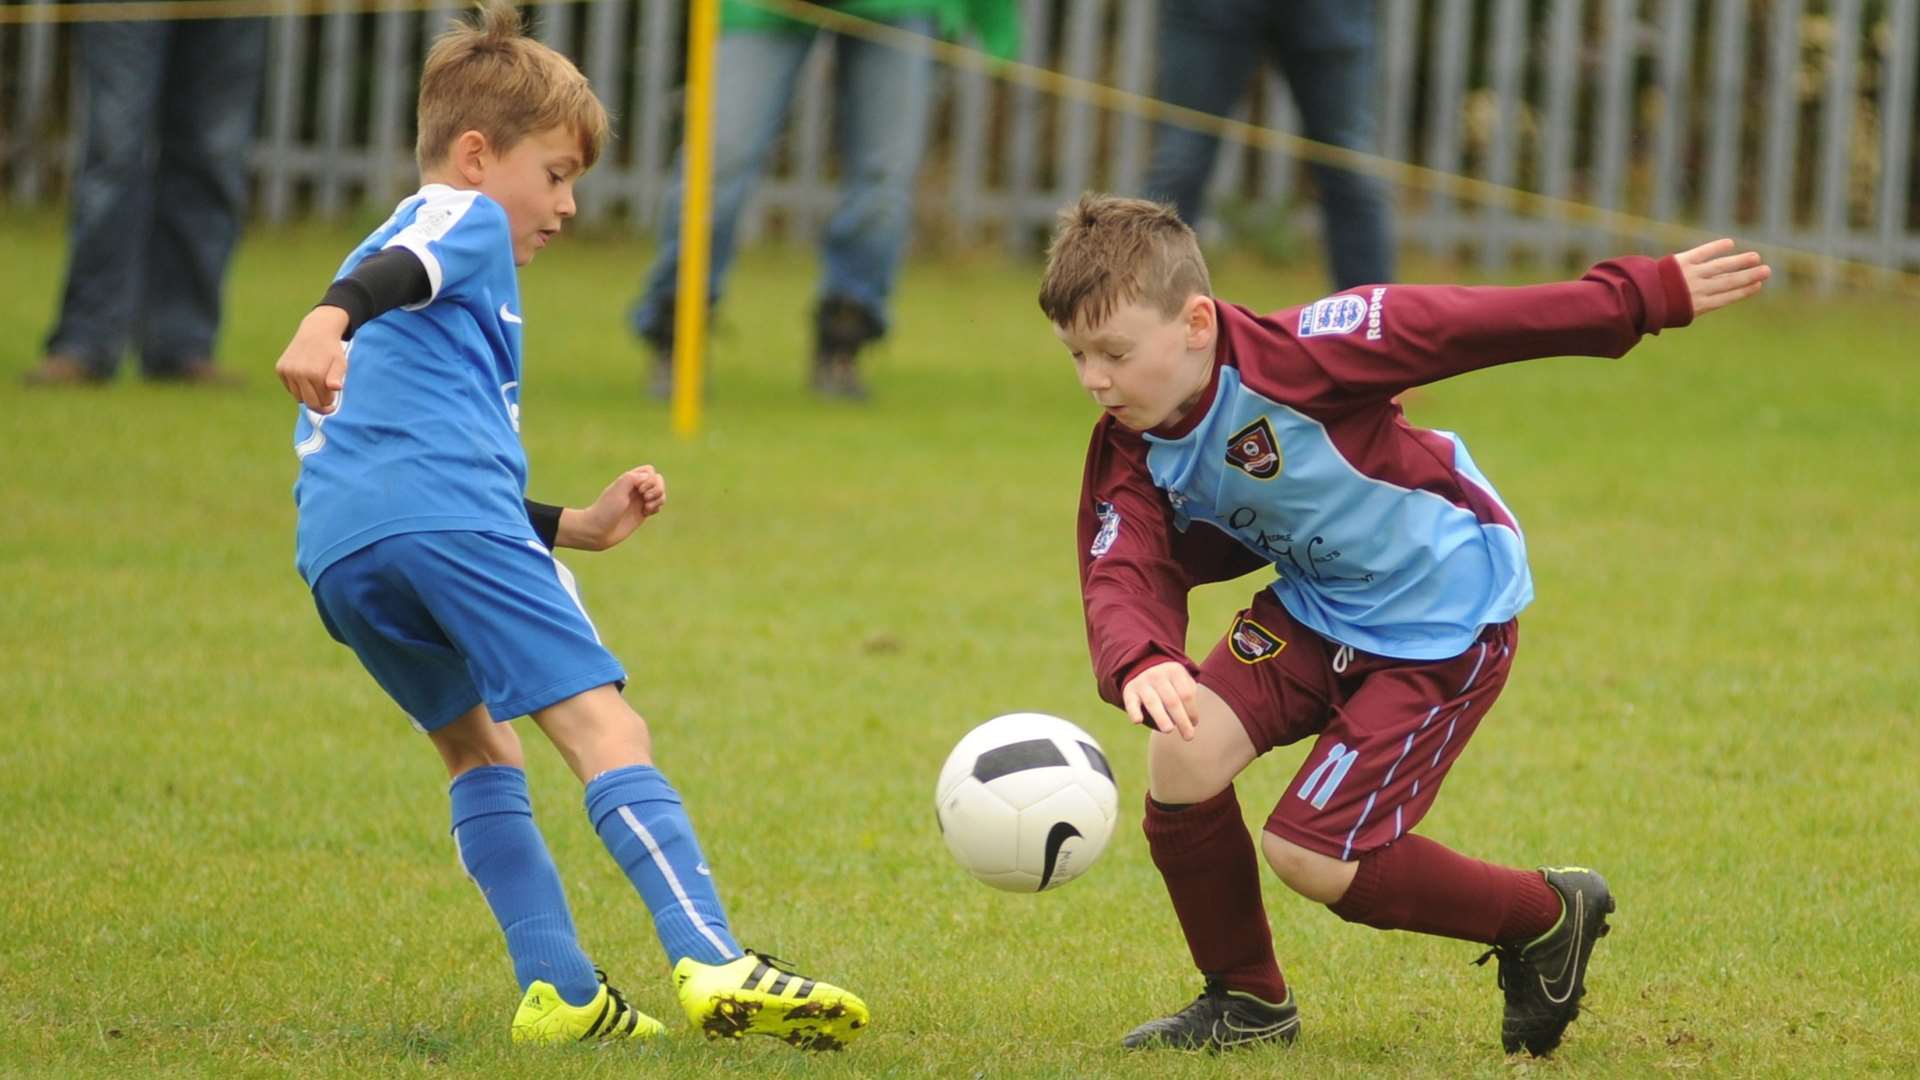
1417, 884
1205, 855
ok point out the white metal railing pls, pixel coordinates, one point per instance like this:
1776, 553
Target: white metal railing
1785, 122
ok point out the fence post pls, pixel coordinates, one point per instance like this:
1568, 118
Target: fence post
1509, 31
1836, 138
393, 82
1448, 77
652, 104
287, 62
1615, 107
1132, 136
1783, 123
1675, 64
1556, 143
30, 159
1727, 114
337, 56
1897, 119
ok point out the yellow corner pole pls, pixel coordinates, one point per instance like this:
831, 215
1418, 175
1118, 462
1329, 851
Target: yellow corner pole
696, 214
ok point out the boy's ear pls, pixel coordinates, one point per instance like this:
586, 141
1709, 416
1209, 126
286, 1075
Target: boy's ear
1201, 321
469, 156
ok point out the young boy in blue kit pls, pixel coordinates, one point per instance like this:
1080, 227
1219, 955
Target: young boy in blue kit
426, 559
1231, 441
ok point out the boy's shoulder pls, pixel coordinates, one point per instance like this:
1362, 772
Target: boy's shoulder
455, 232
441, 202
436, 210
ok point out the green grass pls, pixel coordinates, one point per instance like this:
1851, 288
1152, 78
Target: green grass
227, 852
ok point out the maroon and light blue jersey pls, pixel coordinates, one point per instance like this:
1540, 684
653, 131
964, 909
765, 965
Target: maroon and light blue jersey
1383, 537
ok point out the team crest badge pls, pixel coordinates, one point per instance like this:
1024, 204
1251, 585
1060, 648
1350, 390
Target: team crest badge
1252, 643
1253, 451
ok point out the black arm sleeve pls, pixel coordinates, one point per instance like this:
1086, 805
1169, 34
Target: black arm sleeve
546, 521
384, 280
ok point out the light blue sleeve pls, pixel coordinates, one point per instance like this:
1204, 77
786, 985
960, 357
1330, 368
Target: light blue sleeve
458, 236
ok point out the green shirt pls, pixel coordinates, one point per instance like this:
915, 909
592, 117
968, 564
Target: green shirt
995, 21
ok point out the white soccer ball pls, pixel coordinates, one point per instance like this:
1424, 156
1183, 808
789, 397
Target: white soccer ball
1026, 802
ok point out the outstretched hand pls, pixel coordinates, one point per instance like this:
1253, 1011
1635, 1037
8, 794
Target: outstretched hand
1717, 278
626, 504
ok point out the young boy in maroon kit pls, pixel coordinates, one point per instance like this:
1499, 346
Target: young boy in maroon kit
1231, 441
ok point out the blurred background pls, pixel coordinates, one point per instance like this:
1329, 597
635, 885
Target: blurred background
1784, 122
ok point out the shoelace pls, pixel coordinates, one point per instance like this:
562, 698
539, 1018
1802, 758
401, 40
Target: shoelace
618, 1000
1212, 996
775, 962
1507, 956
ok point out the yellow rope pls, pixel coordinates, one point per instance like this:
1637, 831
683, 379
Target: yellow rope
182, 10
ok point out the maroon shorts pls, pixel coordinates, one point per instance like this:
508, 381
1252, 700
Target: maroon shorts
1387, 730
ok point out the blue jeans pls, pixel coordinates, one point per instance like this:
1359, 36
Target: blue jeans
882, 95
160, 187
1325, 50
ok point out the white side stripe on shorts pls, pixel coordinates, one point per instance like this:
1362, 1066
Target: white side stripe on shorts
673, 881
568, 582
1347, 848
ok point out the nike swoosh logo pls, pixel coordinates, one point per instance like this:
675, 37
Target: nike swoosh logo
1263, 1029
1235, 1034
508, 316
1056, 836
702, 869
1579, 916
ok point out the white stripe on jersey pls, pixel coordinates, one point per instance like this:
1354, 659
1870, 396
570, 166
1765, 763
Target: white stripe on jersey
441, 208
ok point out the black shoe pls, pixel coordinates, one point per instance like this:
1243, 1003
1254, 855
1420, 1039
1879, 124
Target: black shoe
659, 342
57, 369
838, 376
841, 329
199, 372
1219, 1019
660, 378
1545, 978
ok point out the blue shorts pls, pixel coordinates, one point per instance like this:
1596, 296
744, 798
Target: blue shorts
445, 621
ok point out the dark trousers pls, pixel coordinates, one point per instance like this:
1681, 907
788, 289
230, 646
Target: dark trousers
160, 187
1209, 50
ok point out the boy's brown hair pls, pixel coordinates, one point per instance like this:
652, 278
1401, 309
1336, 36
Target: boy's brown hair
489, 76
1108, 251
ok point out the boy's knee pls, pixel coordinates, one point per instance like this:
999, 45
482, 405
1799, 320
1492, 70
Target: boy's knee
474, 742
1180, 772
1320, 878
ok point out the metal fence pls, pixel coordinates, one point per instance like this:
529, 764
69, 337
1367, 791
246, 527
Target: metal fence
1782, 121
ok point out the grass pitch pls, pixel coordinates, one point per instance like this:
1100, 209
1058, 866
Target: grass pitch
227, 854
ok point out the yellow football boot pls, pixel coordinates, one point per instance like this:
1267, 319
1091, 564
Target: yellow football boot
759, 995
545, 1017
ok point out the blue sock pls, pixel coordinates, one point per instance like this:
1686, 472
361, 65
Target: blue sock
639, 817
506, 857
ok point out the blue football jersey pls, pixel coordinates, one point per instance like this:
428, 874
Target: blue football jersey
426, 433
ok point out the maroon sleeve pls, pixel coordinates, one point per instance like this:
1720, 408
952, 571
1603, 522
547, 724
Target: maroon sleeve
1416, 334
1135, 567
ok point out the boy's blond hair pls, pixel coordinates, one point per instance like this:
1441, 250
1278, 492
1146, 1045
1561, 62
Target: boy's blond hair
1108, 251
489, 76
